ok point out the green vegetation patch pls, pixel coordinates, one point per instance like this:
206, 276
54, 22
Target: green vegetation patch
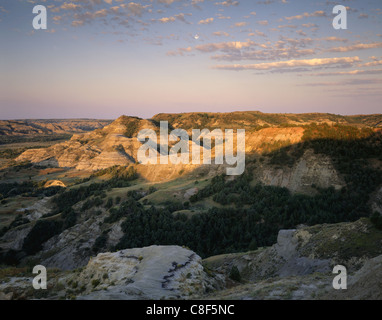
345, 240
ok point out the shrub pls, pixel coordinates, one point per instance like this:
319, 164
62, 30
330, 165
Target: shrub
95, 282
42, 231
253, 245
109, 203
376, 219
11, 257
152, 189
100, 243
70, 220
235, 274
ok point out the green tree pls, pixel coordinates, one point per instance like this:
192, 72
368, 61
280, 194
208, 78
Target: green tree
234, 274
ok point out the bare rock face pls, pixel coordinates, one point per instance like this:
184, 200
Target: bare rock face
54, 183
115, 234
71, 248
112, 145
14, 238
41, 207
295, 263
311, 169
155, 272
190, 192
74, 154
286, 244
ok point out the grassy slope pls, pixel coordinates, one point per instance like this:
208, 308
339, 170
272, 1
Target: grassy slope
253, 119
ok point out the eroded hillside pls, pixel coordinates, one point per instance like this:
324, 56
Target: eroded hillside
63, 205
254, 120
116, 144
44, 127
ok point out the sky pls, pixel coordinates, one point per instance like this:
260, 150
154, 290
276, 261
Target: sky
104, 58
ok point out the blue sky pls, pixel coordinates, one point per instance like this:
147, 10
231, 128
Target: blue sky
104, 58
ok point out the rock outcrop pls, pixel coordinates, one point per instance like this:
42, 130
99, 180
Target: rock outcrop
155, 272
54, 183
307, 250
102, 148
298, 266
310, 169
116, 144
73, 247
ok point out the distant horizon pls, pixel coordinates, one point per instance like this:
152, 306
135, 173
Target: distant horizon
190, 112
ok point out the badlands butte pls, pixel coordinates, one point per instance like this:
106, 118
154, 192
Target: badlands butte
75, 199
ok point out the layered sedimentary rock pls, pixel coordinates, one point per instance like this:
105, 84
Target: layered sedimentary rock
310, 169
